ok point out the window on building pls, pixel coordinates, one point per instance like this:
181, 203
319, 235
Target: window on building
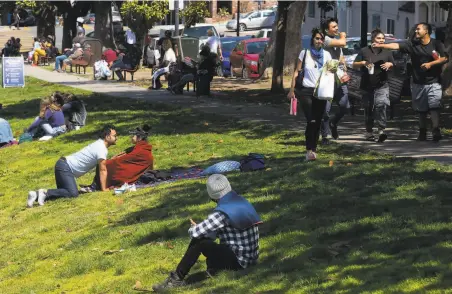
376, 21
311, 9
390, 23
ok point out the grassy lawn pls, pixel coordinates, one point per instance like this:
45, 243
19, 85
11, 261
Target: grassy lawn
352, 222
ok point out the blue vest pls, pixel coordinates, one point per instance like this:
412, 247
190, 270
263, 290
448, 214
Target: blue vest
239, 211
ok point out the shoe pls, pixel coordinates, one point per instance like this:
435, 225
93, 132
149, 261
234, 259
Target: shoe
382, 136
334, 132
422, 135
32, 196
325, 141
370, 137
34, 64
436, 132
311, 156
42, 195
171, 282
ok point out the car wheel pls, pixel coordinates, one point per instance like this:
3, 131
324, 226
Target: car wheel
242, 27
231, 70
245, 73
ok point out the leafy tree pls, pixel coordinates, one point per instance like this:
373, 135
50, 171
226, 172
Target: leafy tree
142, 15
326, 6
45, 12
194, 13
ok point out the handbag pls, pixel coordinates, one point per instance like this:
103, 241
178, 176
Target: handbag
299, 81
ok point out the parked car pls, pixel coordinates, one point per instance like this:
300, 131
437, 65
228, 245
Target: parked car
26, 18
255, 20
227, 45
264, 33
200, 32
244, 57
90, 18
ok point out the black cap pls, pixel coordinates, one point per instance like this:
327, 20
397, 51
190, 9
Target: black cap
142, 132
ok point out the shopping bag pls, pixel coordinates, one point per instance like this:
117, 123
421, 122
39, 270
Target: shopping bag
325, 86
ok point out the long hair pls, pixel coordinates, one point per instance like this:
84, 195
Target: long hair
167, 44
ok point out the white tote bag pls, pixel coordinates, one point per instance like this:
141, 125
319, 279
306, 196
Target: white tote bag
325, 86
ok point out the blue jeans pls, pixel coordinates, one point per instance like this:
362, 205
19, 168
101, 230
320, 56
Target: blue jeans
341, 99
59, 60
65, 181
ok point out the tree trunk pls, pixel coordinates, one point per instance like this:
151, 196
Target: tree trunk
69, 29
447, 70
46, 23
280, 41
102, 25
293, 42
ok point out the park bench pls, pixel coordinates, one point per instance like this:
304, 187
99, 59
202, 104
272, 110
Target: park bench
44, 60
396, 90
82, 62
132, 71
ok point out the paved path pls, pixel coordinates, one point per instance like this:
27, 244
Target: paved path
401, 143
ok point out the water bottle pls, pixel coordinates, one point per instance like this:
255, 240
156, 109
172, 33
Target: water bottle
435, 55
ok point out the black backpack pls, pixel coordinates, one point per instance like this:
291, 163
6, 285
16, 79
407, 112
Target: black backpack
252, 162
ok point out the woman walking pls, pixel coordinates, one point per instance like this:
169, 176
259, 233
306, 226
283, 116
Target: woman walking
310, 66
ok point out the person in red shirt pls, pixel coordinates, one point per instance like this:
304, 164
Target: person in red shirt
129, 165
109, 55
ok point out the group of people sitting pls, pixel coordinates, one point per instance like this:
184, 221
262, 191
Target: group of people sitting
12, 47
234, 220
43, 47
69, 55
58, 113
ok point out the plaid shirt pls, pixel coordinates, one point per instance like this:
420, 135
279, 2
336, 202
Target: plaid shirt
244, 243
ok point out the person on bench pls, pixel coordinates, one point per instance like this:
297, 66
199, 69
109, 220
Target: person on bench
78, 52
128, 59
234, 222
374, 64
168, 58
59, 59
39, 51
76, 165
129, 165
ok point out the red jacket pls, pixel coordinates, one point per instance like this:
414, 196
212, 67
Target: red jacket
130, 166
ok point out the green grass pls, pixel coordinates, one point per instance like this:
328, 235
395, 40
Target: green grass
369, 223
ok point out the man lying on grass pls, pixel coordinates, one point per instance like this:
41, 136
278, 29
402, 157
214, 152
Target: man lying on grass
76, 165
234, 221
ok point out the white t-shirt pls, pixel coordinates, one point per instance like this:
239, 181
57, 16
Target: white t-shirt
311, 73
213, 43
169, 56
36, 45
86, 159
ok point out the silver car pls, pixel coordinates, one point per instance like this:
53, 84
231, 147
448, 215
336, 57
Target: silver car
255, 20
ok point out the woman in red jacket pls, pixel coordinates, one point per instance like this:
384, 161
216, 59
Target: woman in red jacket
129, 165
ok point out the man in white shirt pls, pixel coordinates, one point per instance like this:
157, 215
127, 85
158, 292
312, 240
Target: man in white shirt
214, 43
76, 165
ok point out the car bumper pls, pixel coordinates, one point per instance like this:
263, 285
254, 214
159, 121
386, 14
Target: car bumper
231, 26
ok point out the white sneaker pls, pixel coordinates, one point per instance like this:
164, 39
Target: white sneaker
41, 196
32, 196
45, 138
310, 156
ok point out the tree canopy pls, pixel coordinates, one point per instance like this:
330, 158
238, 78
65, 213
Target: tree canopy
194, 13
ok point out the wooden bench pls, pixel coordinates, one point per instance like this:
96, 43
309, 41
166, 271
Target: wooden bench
396, 91
125, 71
44, 60
82, 62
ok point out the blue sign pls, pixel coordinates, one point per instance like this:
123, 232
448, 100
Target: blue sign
13, 72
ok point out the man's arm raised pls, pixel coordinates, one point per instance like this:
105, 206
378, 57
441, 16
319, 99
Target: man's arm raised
341, 42
390, 46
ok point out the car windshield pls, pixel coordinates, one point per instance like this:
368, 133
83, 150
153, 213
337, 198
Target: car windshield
197, 31
228, 45
260, 34
255, 47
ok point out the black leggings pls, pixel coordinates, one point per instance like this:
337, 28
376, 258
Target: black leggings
313, 110
218, 257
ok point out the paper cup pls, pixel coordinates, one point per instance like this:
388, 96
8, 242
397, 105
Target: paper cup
371, 69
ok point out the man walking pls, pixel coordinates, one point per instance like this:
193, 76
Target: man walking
375, 63
234, 221
16, 19
334, 47
427, 56
76, 165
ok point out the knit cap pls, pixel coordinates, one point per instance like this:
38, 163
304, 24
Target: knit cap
218, 186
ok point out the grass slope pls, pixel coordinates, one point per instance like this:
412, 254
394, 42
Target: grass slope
352, 222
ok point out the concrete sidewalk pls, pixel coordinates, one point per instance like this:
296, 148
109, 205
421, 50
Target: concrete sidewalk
401, 142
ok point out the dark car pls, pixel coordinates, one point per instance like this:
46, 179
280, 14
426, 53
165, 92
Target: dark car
26, 18
227, 45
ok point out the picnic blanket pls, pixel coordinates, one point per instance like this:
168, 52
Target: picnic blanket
175, 175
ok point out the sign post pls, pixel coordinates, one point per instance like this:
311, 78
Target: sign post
13, 72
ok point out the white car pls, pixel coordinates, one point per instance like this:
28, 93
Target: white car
256, 20
264, 33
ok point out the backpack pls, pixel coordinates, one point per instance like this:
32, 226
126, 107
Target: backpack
252, 162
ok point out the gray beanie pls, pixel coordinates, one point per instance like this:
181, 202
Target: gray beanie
218, 186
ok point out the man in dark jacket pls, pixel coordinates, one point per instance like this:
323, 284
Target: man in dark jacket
234, 222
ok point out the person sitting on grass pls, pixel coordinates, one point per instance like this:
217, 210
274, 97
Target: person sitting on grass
50, 121
78, 52
76, 165
234, 221
74, 111
6, 134
128, 166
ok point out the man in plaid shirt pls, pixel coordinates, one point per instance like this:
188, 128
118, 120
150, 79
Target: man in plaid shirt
234, 222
